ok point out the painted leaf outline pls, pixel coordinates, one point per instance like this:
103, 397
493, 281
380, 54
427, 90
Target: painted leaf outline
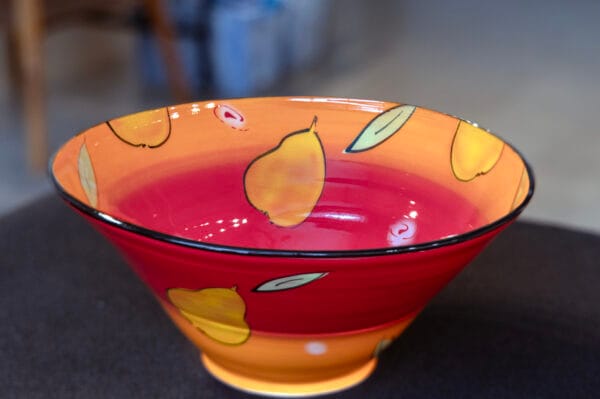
381, 346
381, 128
522, 190
87, 177
289, 282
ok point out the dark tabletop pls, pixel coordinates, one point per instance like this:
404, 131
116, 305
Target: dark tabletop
522, 321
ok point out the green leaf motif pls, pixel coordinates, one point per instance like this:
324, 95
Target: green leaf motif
288, 282
381, 128
87, 176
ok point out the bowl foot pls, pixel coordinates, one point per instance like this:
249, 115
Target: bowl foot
276, 388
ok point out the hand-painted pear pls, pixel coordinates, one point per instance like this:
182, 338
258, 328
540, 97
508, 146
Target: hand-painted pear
217, 312
286, 182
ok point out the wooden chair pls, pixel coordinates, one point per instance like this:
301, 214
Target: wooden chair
26, 25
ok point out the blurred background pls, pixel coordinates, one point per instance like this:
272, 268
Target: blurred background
526, 70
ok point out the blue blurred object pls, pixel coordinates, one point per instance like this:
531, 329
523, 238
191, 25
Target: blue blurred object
307, 35
240, 48
190, 20
247, 46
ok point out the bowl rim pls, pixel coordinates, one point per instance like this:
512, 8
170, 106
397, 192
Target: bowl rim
350, 253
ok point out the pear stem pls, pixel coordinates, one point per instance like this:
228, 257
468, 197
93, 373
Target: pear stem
313, 125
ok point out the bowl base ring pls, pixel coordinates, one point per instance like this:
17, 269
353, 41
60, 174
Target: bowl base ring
282, 389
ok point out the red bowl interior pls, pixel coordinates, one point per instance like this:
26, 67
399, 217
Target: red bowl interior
301, 175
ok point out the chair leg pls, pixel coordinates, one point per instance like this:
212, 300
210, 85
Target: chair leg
12, 57
165, 34
28, 23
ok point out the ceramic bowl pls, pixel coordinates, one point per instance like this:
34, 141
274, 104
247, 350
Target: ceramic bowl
292, 239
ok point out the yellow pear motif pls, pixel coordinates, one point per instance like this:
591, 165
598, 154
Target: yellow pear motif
217, 312
286, 182
144, 129
474, 151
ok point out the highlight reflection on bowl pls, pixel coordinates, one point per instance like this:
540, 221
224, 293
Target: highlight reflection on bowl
292, 239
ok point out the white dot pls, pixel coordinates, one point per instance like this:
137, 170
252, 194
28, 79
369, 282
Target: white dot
413, 214
175, 115
315, 348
